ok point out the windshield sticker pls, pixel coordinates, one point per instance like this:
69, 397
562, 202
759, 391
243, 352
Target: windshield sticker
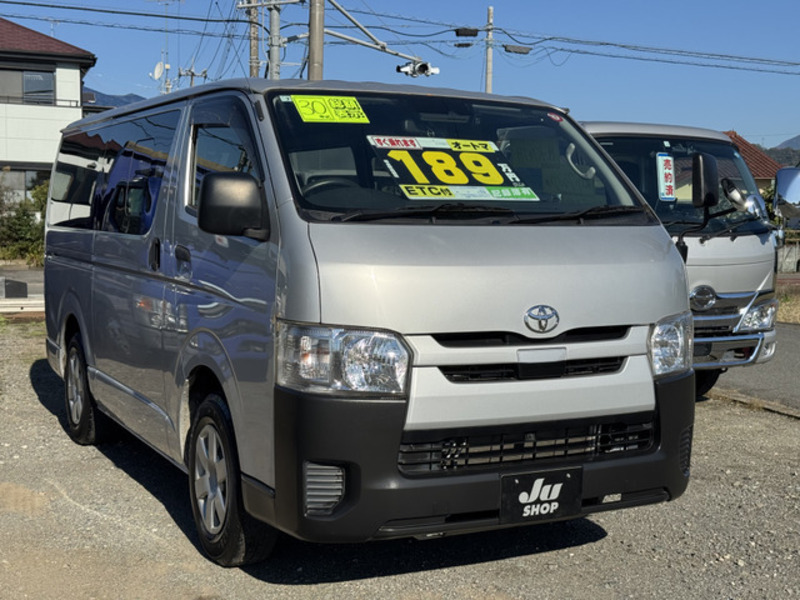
329, 109
665, 165
434, 168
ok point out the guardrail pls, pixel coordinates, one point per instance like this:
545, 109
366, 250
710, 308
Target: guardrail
34, 102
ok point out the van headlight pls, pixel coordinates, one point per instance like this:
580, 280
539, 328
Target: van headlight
760, 317
671, 345
330, 360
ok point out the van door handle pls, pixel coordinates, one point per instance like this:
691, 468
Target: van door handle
184, 259
182, 254
154, 255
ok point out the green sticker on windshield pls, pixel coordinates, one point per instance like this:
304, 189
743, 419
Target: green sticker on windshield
329, 109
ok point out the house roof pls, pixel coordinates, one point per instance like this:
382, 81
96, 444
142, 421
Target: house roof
760, 165
20, 42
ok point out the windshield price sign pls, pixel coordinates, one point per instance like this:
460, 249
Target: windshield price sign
435, 168
329, 109
666, 177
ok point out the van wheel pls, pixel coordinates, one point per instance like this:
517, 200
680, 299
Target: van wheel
705, 380
228, 535
85, 424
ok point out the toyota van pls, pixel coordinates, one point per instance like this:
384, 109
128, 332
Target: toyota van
358, 312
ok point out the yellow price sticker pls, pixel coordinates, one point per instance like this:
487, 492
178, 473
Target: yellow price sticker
472, 146
329, 109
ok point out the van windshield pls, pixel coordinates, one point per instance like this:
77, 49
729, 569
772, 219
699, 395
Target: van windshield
661, 168
367, 157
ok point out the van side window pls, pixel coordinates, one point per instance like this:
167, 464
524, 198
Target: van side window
223, 141
135, 158
74, 181
109, 178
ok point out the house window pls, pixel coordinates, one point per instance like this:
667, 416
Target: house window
27, 87
17, 184
38, 87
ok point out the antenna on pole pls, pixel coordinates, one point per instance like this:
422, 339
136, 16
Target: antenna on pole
166, 83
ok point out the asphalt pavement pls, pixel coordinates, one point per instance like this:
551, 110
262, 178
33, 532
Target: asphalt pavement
772, 384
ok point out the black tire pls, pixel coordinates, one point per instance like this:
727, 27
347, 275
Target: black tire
85, 424
705, 380
228, 535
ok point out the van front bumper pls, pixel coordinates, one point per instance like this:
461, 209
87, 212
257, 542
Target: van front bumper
721, 352
381, 502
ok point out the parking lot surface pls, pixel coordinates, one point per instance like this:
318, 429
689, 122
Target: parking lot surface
114, 521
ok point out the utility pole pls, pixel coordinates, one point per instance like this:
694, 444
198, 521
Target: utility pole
316, 35
191, 74
275, 41
252, 15
489, 43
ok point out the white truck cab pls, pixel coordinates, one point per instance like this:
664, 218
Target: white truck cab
730, 248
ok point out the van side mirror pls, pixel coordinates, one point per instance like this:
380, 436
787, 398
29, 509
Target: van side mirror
705, 180
232, 203
786, 200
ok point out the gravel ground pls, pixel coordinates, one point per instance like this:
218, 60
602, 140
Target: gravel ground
115, 522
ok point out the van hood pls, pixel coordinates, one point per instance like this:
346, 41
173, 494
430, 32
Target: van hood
744, 264
441, 279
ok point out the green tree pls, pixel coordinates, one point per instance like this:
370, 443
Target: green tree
22, 226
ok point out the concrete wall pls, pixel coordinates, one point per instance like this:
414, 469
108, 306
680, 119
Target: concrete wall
789, 258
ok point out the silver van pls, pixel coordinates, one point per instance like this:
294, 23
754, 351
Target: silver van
731, 249
357, 311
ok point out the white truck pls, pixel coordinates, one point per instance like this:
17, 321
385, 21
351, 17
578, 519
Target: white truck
730, 249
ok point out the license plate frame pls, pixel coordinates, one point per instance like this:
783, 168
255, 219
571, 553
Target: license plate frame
548, 495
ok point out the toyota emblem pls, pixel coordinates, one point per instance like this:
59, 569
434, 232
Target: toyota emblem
541, 318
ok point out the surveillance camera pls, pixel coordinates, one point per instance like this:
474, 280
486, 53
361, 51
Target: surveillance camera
415, 69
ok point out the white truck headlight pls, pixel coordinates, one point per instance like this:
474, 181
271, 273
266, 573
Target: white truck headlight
671, 345
760, 317
330, 360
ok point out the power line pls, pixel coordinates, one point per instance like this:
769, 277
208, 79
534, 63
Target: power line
123, 26
544, 45
111, 11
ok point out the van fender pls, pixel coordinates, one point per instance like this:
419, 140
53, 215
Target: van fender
71, 306
202, 352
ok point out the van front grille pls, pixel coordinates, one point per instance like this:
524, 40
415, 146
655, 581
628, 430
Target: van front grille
526, 371
502, 338
474, 452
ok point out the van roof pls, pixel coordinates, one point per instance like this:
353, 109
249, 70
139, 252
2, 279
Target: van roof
260, 86
601, 128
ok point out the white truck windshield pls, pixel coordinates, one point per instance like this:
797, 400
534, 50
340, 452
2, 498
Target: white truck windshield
661, 168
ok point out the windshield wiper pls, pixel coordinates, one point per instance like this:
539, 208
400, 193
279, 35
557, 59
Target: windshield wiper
449, 209
726, 231
682, 222
596, 212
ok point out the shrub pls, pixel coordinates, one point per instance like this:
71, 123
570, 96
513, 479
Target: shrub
22, 228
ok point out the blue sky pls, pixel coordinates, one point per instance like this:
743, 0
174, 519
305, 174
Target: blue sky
569, 64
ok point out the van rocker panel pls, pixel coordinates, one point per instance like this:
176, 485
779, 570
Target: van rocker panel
364, 436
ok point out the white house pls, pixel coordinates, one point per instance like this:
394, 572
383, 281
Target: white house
41, 81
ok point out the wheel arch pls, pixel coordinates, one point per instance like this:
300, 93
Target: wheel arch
204, 367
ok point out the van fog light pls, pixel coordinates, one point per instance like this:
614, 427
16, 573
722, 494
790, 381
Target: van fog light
611, 498
323, 489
